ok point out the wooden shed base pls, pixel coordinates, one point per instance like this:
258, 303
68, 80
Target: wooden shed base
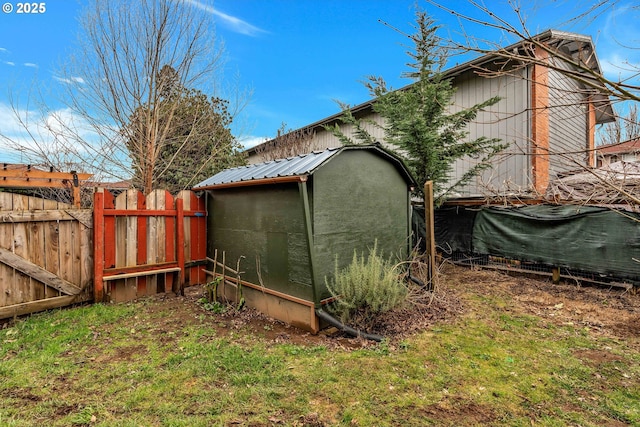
292, 310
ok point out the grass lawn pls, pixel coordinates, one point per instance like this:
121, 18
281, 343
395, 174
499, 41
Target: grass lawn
514, 352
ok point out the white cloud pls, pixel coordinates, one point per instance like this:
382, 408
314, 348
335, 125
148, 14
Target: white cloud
620, 60
27, 132
618, 68
15, 141
53, 137
30, 64
10, 123
252, 141
9, 63
3, 50
69, 80
234, 24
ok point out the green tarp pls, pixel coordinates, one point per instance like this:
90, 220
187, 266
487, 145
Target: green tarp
586, 238
596, 240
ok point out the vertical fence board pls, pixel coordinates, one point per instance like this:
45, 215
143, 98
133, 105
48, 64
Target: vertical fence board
131, 255
141, 257
65, 250
6, 242
86, 258
201, 231
109, 230
22, 283
161, 253
6, 274
180, 242
36, 243
117, 286
161, 205
52, 239
187, 234
194, 237
152, 242
170, 230
51, 263
76, 232
98, 245
170, 239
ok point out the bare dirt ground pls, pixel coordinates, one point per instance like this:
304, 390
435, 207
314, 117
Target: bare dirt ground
607, 310
610, 311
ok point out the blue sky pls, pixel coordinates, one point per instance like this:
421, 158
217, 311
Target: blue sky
297, 56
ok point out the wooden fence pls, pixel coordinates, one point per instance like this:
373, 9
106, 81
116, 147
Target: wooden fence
145, 245
45, 254
141, 246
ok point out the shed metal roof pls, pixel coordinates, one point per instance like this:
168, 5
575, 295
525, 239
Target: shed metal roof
292, 168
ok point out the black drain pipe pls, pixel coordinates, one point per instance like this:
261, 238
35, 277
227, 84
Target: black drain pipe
346, 329
428, 286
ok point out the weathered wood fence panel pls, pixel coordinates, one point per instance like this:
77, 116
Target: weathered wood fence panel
45, 254
147, 244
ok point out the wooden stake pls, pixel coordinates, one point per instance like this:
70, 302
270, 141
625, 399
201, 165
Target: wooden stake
430, 227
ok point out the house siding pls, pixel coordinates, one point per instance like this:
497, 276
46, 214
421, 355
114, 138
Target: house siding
325, 139
568, 124
507, 120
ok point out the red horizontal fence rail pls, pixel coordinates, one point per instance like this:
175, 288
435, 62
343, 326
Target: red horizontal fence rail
145, 245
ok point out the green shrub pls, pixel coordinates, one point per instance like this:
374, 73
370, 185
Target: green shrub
365, 289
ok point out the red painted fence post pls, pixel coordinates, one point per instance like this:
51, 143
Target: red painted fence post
98, 245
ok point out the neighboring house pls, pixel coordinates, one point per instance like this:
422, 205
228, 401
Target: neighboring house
547, 118
627, 151
114, 187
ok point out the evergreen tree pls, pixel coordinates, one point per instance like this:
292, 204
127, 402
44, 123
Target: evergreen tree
197, 142
416, 119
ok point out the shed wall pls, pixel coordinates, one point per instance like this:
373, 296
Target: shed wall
265, 224
358, 198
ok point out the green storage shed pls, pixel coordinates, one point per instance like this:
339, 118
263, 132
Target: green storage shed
284, 223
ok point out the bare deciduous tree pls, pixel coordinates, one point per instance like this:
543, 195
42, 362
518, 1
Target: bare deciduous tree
287, 143
516, 29
625, 128
115, 71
